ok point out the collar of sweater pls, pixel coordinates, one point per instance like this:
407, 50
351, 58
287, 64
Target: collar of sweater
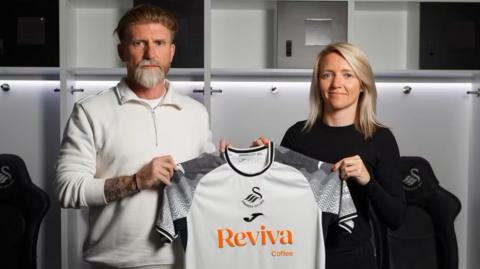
125, 94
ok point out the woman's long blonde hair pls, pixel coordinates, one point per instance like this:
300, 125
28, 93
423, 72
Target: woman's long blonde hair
365, 120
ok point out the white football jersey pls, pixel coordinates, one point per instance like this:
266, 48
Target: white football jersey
261, 207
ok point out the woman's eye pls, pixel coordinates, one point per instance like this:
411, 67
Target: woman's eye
348, 75
325, 75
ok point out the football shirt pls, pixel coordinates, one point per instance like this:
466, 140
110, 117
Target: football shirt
263, 207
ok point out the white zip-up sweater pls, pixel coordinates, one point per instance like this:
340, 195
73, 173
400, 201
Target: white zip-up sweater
115, 133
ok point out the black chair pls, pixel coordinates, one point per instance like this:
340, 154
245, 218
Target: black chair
427, 238
22, 208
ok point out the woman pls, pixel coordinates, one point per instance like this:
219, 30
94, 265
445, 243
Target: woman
342, 129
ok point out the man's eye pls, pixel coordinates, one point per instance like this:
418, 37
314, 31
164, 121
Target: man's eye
137, 43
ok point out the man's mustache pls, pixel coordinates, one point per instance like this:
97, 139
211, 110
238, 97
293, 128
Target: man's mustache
149, 63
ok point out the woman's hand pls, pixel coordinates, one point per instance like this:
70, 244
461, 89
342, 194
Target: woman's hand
352, 167
260, 141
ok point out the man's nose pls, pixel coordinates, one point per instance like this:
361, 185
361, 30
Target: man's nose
149, 51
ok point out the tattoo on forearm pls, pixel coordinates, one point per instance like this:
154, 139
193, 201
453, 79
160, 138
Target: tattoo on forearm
119, 187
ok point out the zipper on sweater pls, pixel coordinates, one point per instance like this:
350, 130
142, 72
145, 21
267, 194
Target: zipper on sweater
154, 118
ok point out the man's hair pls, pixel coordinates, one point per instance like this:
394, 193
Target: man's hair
143, 14
365, 120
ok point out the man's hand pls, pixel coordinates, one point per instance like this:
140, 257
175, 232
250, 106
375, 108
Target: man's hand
352, 167
159, 170
222, 145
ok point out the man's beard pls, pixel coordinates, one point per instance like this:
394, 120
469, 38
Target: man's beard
149, 77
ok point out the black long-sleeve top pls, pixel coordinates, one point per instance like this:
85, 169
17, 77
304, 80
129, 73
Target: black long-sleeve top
381, 157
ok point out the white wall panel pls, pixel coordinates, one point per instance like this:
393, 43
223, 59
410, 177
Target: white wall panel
473, 220
391, 43
242, 38
246, 110
96, 48
433, 122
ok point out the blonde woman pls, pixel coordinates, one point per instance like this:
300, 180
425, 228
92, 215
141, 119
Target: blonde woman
342, 129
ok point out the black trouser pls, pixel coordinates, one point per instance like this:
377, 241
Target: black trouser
361, 257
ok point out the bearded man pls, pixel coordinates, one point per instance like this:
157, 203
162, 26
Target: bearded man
120, 147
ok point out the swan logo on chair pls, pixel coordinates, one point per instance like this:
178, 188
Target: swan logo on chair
412, 181
5, 177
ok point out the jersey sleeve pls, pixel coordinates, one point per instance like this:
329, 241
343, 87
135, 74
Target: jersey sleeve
177, 198
333, 196
331, 193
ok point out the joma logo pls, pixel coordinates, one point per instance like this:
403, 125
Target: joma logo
264, 236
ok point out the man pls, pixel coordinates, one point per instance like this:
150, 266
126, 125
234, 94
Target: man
120, 147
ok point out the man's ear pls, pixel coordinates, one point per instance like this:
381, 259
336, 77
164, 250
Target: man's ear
120, 51
172, 52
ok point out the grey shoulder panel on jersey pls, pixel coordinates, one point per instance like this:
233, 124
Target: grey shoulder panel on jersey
177, 198
331, 194
295, 159
201, 165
